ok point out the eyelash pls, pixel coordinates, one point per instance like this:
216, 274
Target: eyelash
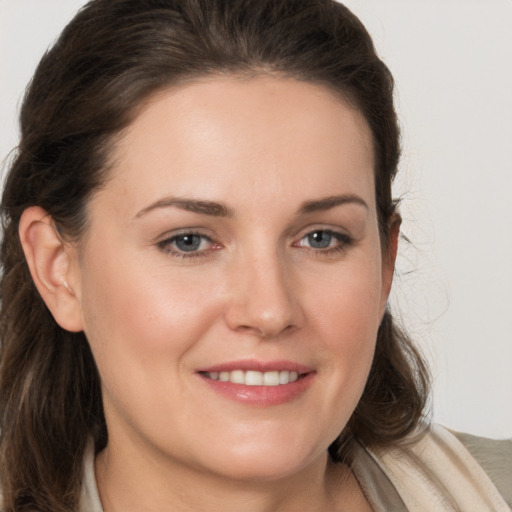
344, 241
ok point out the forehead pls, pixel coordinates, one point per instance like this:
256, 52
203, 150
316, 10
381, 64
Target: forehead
244, 138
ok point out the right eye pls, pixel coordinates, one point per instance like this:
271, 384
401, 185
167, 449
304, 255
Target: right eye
187, 245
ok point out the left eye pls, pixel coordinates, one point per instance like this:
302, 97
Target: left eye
324, 239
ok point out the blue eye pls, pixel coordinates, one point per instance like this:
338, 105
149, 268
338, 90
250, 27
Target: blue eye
325, 241
320, 239
187, 245
188, 242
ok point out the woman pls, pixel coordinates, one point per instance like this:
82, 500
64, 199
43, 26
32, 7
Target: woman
199, 243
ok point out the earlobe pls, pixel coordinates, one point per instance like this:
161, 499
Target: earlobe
52, 265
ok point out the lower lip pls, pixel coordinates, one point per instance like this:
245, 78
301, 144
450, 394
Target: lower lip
261, 395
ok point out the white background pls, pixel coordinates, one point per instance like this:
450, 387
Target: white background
452, 61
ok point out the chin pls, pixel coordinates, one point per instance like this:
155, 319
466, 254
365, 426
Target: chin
266, 463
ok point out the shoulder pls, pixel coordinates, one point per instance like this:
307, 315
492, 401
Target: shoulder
433, 469
495, 458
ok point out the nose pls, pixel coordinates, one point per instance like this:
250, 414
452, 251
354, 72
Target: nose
263, 298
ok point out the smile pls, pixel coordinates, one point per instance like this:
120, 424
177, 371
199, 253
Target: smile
255, 378
257, 383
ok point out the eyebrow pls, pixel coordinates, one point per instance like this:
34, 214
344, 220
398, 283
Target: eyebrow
327, 203
214, 209
201, 207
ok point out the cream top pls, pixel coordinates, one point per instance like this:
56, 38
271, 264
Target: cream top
437, 472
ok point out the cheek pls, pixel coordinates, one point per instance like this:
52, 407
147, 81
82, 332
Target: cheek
348, 306
141, 325
128, 292
136, 316
347, 315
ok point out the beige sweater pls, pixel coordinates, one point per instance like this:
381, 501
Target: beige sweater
439, 472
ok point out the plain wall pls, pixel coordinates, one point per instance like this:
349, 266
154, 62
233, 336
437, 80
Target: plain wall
452, 61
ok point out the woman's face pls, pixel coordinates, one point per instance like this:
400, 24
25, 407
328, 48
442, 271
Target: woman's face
231, 282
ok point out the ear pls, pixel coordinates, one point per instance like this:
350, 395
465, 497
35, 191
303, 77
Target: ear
389, 257
53, 265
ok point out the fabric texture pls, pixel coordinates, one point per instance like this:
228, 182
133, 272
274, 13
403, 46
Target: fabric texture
436, 471
495, 457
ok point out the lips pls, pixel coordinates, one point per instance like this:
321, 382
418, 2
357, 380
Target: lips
258, 383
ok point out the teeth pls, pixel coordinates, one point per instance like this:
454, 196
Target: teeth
254, 378
237, 377
271, 378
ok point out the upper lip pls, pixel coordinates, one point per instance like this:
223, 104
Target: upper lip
259, 366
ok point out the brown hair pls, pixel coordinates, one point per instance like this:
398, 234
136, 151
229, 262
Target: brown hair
86, 89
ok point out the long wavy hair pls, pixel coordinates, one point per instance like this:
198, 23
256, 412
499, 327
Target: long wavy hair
87, 88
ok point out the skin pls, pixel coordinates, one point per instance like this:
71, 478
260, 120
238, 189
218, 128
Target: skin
255, 287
